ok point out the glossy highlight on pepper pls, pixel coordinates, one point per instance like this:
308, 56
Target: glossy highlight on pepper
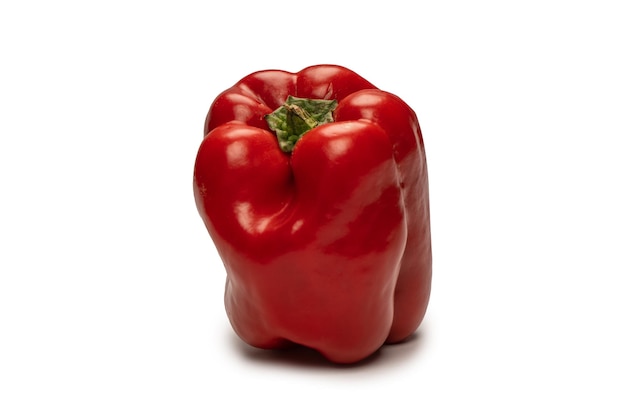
326, 239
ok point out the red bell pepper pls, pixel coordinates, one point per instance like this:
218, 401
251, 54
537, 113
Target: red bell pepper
314, 188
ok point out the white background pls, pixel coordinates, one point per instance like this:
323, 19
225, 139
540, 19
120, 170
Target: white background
111, 290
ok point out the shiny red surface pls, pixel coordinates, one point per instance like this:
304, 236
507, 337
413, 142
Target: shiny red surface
328, 247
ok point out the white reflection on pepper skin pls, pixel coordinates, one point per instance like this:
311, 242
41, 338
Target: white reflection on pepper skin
244, 215
367, 104
339, 140
337, 147
236, 154
297, 225
247, 219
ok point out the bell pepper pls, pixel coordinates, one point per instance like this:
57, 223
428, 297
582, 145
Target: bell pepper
314, 189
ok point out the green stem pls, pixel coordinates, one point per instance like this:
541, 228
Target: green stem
296, 117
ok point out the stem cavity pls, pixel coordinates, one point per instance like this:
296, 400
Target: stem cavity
296, 117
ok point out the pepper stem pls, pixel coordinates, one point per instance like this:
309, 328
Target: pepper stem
296, 117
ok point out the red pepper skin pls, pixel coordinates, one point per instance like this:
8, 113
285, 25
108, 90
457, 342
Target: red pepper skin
328, 247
